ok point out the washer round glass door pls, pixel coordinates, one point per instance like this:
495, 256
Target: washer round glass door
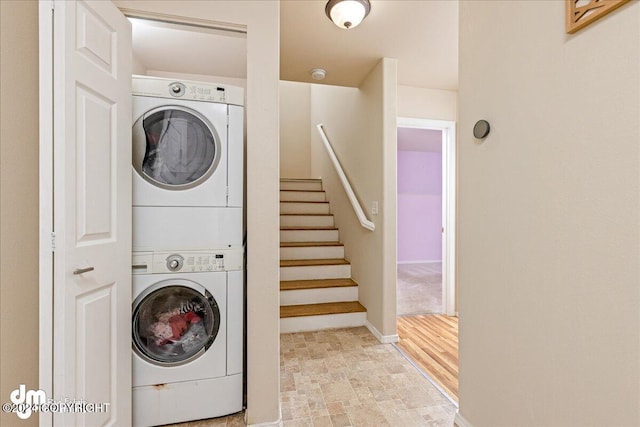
174, 322
175, 148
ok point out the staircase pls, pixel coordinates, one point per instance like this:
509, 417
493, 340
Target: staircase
316, 290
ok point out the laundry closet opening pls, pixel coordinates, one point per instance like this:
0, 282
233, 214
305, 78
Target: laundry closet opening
188, 222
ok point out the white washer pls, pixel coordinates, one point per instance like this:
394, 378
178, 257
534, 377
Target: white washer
187, 158
187, 335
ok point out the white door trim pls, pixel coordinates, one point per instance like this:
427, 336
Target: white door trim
45, 342
448, 129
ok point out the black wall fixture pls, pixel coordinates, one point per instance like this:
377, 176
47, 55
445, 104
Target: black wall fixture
481, 129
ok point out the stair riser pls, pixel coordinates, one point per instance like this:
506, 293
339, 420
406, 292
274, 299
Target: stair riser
312, 252
306, 220
320, 295
316, 323
316, 272
301, 185
302, 196
309, 235
304, 208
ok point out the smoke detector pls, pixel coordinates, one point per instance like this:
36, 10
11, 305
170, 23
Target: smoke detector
318, 74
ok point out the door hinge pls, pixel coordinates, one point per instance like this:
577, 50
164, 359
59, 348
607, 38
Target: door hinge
53, 241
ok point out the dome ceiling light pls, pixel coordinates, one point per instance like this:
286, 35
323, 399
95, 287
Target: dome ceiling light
347, 14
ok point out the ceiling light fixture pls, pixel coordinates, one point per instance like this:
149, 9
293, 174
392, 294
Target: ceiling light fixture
347, 14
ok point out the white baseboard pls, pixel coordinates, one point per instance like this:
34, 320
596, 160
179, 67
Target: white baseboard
425, 261
460, 421
384, 339
276, 423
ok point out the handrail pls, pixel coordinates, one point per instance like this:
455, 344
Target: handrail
364, 221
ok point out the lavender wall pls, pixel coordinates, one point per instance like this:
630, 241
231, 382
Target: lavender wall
419, 206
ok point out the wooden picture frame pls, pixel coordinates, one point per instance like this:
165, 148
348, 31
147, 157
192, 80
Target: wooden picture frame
581, 13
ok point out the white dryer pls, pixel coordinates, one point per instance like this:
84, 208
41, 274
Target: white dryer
187, 335
188, 144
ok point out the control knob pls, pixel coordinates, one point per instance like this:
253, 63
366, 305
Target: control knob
176, 89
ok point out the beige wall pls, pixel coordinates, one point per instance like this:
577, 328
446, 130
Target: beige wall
358, 128
549, 218
263, 62
138, 67
422, 103
18, 201
295, 130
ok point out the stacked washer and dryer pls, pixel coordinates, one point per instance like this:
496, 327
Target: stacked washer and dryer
188, 254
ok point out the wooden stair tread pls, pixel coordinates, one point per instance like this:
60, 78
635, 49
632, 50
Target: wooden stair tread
300, 201
305, 191
312, 262
306, 214
321, 309
308, 244
308, 227
300, 180
293, 285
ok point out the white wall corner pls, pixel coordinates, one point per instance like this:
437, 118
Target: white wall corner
461, 421
384, 339
276, 423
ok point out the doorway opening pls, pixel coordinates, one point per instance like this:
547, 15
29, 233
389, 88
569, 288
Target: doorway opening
419, 221
426, 199
426, 293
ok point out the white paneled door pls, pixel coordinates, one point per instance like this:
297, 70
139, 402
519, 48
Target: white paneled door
92, 211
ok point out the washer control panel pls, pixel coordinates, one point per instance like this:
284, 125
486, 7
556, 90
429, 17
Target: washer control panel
187, 261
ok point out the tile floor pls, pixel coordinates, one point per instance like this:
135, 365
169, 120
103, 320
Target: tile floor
345, 377
235, 420
419, 288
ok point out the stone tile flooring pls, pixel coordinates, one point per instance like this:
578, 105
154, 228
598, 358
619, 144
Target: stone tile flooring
235, 420
345, 377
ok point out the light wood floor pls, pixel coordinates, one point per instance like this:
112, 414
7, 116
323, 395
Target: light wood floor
431, 341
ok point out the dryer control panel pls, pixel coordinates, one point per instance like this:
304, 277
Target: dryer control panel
187, 261
187, 89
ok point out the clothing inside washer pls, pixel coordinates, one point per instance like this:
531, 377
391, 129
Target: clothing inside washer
174, 323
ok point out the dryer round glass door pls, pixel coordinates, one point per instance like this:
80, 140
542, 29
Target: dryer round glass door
174, 322
175, 148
